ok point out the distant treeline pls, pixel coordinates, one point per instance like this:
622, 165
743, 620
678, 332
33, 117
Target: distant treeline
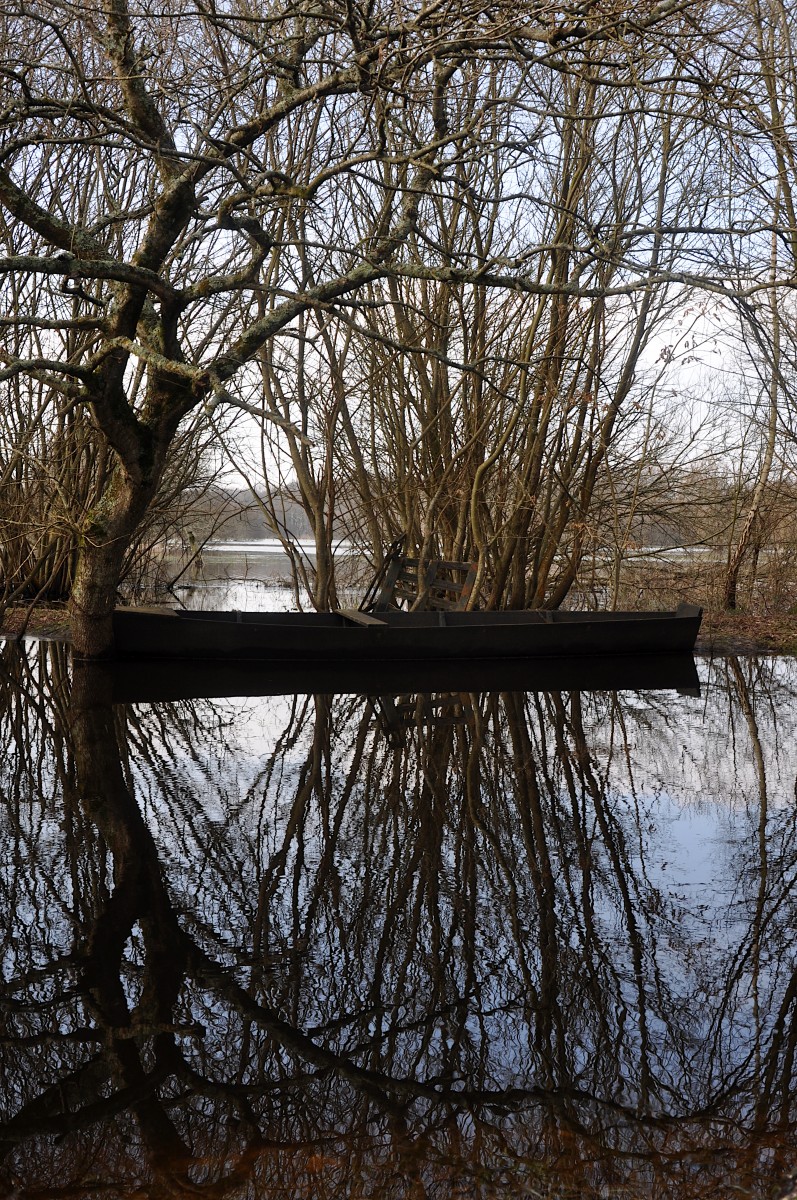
236, 515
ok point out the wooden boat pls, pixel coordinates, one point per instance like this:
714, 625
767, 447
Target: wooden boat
351, 636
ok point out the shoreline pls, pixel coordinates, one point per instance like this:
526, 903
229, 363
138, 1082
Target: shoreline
720, 632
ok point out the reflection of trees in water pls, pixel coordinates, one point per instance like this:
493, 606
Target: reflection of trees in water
266, 942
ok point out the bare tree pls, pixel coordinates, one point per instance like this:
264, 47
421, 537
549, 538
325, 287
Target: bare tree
181, 187
479, 422
768, 164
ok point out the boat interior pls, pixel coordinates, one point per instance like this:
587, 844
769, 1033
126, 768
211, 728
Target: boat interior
424, 619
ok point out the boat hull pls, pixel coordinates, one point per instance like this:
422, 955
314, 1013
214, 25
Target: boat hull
397, 636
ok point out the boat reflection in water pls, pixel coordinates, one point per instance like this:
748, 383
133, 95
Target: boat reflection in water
429, 942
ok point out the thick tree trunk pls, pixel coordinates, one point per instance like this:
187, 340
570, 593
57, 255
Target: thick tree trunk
99, 568
94, 598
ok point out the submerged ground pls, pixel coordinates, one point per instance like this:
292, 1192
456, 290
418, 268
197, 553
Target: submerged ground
484, 944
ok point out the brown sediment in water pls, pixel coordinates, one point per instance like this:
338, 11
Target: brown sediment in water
747, 633
46, 621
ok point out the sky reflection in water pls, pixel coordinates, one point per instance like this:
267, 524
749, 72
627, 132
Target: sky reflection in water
481, 944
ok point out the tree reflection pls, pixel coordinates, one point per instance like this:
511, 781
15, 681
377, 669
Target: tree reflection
292, 947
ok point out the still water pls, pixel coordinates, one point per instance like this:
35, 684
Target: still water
462, 943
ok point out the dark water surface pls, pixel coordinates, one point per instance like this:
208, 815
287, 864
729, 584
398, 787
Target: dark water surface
452, 944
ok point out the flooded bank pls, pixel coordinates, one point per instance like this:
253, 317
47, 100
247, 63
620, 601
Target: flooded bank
486, 943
